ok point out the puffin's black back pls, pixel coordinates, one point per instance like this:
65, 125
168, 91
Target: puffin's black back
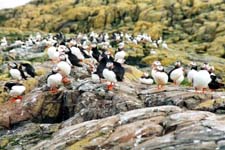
119, 71
214, 84
9, 85
84, 54
170, 80
101, 67
73, 58
96, 53
29, 69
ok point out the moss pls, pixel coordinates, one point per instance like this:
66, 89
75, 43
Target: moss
85, 142
210, 104
3, 143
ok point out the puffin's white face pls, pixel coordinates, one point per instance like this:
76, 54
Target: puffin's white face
109, 65
146, 74
155, 64
159, 68
178, 63
55, 69
193, 64
62, 57
12, 65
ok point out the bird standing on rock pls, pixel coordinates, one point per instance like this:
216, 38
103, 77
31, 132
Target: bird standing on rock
161, 77
215, 84
177, 74
15, 72
192, 72
202, 79
54, 80
120, 54
154, 70
64, 68
15, 90
145, 79
109, 75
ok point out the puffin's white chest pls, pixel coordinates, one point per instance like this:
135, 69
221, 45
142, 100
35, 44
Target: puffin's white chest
76, 51
177, 75
17, 90
109, 75
201, 79
161, 78
15, 73
54, 80
64, 68
191, 75
52, 53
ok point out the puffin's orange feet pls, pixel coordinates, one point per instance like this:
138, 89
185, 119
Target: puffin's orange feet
54, 90
16, 99
65, 80
110, 87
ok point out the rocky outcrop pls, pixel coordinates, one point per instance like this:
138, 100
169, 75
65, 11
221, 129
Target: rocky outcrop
164, 127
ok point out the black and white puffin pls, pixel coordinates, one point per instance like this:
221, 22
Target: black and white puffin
177, 75
176, 66
109, 75
54, 80
215, 84
73, 59
15, 90
146, 79
154, 66
192, 72
64, 68
28, 69
15, 72
119, 71
120, 54
161, 77
95, 52
202, 79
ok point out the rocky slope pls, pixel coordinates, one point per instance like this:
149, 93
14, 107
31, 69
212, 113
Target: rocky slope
84, 115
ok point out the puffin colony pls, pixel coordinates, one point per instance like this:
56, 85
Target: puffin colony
93, 51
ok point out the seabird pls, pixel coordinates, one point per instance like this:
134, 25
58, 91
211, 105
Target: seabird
202, 79
15, 90
109, 75
177, 75
145, 79
161, 77
54, 80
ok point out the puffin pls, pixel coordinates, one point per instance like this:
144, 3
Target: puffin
53, 54
76, 51
202, 78
145, 79
95, 77
192, 72
215, 84
119, 70
164, 45
64, 68
15, 90
95, 52
54, 80
120, 54
73, 59
177, 75
176, 66
161, 77
154, 66
109, 75
15, 72
28, 69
